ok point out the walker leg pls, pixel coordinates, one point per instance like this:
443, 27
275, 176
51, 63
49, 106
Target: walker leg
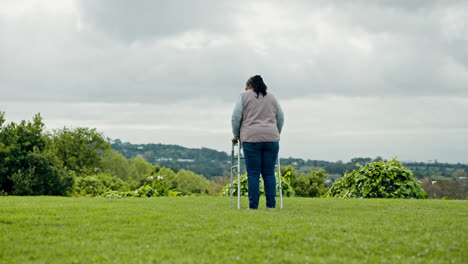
231, 178
239, 176
280, 186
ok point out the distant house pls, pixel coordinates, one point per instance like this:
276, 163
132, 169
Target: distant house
185, 160
164, 159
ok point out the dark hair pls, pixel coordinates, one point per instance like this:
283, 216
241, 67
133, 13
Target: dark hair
258, 85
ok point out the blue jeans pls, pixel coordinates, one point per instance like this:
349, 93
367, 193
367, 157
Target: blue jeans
261, 158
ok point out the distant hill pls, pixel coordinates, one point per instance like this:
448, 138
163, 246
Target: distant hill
211, 163
204, 161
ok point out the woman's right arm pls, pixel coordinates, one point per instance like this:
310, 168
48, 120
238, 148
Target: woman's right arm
236, 118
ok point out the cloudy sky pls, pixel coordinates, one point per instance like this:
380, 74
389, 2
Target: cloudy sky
355, 78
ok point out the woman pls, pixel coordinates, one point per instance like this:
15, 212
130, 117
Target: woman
257, 121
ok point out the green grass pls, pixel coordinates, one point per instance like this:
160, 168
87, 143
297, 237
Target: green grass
204, 230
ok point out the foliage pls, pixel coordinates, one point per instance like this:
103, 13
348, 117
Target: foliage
378, 180
43, 176
27, 167
203, 230
212, 163
214, 188
143, 191
98, 184
285, 185
288, 173
189, 182
162, 184
80, 149
138, 169
442, 188
16, 142
33, 162
311, 184
89, 186
146, 191
203, 161
115, 164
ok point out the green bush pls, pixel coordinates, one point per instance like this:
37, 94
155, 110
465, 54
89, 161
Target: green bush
285, 185
311, 184
143, 191
378, 180
188, 183
89, 186
98, 184
161, 178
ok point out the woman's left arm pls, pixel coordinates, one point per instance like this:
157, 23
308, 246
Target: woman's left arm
279, 116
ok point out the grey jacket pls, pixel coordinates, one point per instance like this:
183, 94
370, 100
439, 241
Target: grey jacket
257, 119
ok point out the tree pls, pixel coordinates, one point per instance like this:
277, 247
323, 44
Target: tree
115, 164
16, 142
139, 169
27, 165
80, 149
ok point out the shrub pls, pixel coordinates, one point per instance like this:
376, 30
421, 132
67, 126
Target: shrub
89, 186
311, 184
285, 185
189, 182
378, 180
162, 184
98, 184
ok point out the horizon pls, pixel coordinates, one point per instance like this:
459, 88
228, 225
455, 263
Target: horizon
435, 161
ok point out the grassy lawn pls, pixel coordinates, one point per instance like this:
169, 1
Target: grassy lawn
204, 230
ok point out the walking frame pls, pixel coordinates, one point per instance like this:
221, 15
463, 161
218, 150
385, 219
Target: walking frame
236, 169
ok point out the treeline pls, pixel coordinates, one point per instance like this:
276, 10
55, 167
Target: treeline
212, 163
81, 161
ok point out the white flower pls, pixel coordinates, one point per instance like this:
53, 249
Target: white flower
150, 177
160, 177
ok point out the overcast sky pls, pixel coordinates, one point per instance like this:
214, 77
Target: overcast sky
355, 78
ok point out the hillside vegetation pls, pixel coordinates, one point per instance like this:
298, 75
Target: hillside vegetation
212, 163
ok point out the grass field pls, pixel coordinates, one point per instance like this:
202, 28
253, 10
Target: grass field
204, 230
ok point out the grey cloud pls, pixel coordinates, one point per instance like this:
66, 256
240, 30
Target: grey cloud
143, 19
165, 51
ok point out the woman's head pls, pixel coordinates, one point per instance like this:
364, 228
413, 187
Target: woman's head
256, 83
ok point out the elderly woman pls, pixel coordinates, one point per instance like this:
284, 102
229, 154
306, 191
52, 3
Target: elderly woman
257, 121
